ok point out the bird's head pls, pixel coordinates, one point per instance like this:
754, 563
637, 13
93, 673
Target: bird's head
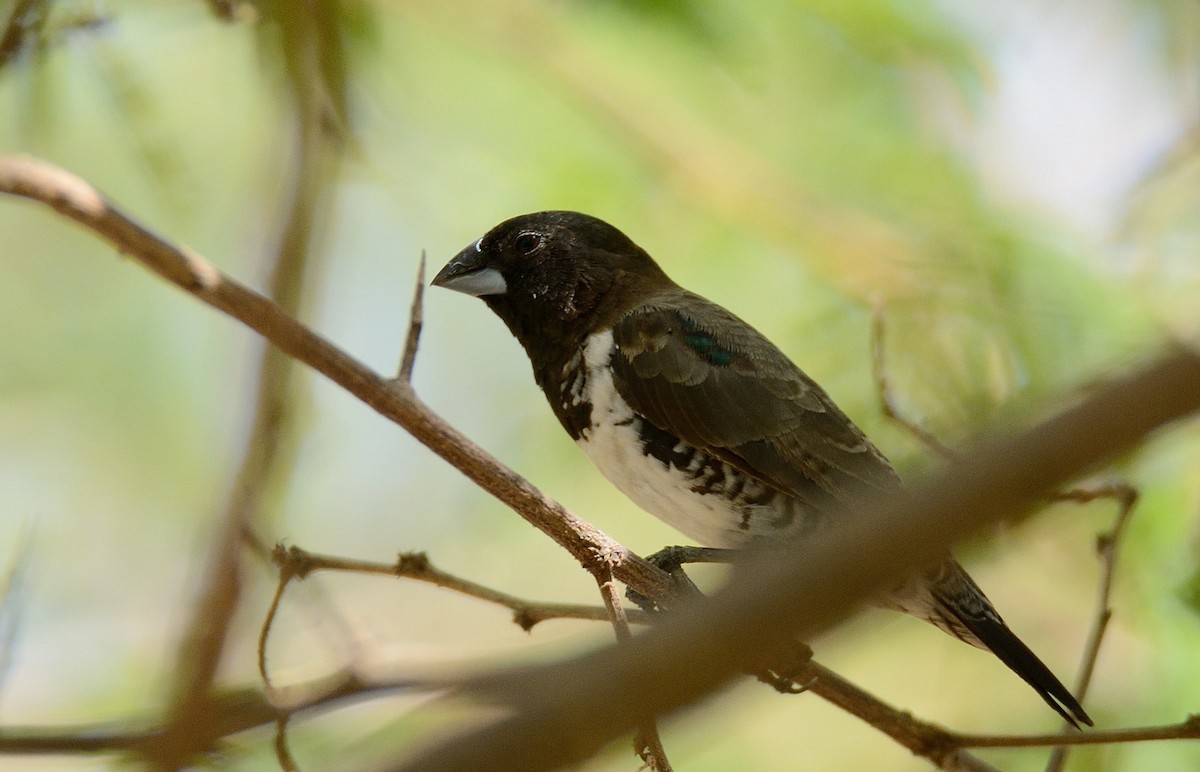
554, 275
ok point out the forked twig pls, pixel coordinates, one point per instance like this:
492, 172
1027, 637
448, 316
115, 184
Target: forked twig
297, 563
1118, 491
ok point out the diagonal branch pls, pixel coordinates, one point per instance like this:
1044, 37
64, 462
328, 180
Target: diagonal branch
395, 400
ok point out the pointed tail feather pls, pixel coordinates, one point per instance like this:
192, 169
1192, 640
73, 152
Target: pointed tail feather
1001, 641
961, 608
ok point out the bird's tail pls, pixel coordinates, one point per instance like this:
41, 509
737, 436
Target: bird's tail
961, 609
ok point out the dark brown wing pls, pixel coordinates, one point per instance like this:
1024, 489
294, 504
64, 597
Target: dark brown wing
704, 375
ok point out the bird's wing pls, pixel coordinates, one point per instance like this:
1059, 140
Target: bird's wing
697, 371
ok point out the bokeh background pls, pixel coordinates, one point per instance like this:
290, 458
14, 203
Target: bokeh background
1017, 183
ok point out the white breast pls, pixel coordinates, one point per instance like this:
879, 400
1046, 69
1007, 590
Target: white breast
613, 444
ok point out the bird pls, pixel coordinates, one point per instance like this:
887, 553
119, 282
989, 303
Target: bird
695, 415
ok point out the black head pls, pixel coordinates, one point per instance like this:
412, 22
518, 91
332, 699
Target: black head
553, 277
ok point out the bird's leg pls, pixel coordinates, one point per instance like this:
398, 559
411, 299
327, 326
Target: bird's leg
671, 560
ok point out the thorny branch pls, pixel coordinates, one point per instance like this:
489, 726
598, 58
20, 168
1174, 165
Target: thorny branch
296, 562
73, 197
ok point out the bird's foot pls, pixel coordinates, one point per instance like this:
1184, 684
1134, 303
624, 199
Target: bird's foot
672, 560
790, 674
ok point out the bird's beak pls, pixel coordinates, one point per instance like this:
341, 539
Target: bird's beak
469, 273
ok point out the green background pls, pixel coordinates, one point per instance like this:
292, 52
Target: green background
1017, 185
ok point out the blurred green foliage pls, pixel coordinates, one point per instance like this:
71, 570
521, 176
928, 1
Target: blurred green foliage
796, 161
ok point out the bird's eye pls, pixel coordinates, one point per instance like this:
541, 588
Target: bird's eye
528, 242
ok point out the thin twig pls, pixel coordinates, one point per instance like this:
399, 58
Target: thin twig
1124, 494
1106, 549
1188, 729
233, 711
286, 574
415, 321
883, 389
647, 743
342, 631
283, 754
299, 563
